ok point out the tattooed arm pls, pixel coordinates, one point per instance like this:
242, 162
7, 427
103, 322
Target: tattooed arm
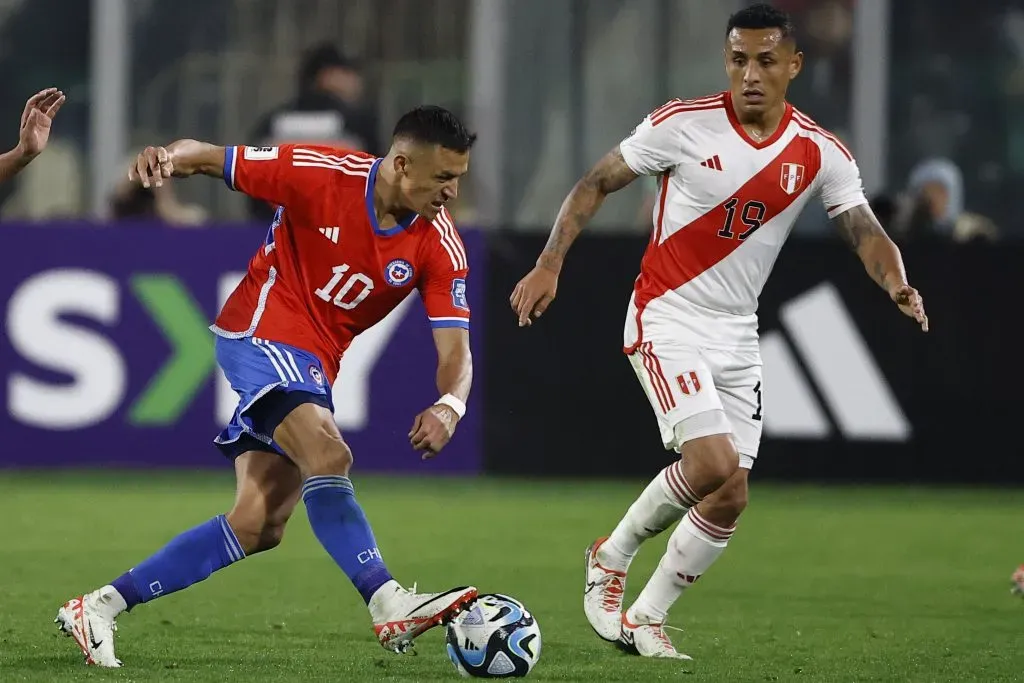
537, 290
654, 147
881, 258
609, 175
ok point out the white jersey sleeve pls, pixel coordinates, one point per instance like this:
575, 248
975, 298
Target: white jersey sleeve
841, 186
654, 146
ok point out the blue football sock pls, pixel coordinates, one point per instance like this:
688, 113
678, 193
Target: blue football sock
342, 529
189, 558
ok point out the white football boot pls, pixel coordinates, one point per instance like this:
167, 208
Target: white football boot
90, 620
602, 594
647, 639
400, 615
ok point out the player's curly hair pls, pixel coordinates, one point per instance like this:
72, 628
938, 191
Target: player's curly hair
434, 125
761, 15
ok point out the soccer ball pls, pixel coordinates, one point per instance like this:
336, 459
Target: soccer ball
495, 638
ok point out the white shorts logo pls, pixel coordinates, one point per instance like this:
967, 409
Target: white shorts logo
689, 383
260, 153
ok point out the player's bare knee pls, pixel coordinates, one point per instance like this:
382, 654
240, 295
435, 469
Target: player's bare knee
733, 503
255, 529
724, 506
270, 537
708, 462
311, 439
268, 489
247, 522
329, 454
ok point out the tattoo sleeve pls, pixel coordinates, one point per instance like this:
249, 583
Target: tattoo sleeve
610, 174
880, 255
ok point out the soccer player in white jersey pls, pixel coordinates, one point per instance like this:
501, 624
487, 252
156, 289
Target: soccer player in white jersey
734, 170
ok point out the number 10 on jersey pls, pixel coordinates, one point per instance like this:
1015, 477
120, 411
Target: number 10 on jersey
343, 297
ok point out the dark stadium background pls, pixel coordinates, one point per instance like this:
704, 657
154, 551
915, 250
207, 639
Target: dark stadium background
884, 521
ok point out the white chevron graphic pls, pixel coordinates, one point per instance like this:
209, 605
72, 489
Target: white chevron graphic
841, 366
331, 233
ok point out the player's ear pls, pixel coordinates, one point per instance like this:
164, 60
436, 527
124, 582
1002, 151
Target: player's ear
401, 163
796, 64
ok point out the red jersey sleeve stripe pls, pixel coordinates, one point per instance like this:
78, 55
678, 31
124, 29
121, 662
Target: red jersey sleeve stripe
667, 105
807, 123
705, 99
681, 108
708, 99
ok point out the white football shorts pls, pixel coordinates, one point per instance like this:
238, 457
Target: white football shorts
697, 392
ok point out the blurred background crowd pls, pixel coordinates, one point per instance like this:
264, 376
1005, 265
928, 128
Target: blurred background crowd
925, 93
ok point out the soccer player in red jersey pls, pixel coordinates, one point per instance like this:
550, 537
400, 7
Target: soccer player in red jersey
734, 171
34, 132
354, 235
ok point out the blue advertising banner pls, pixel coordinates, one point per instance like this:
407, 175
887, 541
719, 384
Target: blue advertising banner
106, 358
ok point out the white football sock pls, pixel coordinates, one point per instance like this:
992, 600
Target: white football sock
693, 547
665, 500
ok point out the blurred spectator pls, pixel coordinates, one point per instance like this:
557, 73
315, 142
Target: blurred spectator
934, 206
52, 186
329, 108
824, 34
885, 208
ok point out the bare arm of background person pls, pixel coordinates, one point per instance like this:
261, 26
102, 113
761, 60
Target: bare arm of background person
34, 132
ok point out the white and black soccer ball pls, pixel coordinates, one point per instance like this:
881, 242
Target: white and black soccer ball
495, 638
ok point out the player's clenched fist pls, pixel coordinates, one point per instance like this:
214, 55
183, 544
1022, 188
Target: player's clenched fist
151, 167
534, 294
432, 429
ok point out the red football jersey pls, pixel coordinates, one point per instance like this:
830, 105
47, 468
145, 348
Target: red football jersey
327, 270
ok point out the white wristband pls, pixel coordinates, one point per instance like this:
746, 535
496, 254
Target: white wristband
454, 403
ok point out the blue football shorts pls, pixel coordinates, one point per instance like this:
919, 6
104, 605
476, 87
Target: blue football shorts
271, 380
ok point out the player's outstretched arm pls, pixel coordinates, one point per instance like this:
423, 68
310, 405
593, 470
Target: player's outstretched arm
882, 259
610, 174
180, 159
433, 428
536, 291
34, 133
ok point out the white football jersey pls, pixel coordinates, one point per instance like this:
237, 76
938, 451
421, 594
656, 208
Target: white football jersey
725, 205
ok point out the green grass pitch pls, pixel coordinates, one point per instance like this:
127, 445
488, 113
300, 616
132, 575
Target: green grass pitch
845, 584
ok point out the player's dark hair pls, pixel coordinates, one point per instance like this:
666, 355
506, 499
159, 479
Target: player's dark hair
435, 126
762, 15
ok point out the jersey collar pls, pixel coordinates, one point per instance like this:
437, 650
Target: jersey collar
371, 182
742, 132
